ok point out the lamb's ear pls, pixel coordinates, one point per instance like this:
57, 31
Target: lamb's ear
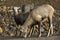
32, 6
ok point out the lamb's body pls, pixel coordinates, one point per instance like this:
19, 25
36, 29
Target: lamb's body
37, 14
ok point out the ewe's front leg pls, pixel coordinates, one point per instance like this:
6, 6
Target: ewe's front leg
39, 26
24, 27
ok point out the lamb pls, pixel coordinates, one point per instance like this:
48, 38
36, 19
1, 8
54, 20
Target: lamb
43, 11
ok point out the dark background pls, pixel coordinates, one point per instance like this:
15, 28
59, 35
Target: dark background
54, 3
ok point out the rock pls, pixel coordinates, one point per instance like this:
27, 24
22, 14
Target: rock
1, 30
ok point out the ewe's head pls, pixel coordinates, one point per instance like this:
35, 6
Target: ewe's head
27, 7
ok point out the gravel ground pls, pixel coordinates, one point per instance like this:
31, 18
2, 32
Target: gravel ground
33, 38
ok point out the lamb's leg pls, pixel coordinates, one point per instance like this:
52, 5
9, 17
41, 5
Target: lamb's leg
31, 30
43, 20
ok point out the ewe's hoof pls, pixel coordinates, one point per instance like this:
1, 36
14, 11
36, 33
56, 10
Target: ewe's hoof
40, 35
25, 36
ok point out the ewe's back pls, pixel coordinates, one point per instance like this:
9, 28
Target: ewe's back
43, 10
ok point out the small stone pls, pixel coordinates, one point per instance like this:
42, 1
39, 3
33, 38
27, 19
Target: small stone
1, 30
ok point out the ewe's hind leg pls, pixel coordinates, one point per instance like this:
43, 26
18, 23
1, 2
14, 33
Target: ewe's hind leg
50, 26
